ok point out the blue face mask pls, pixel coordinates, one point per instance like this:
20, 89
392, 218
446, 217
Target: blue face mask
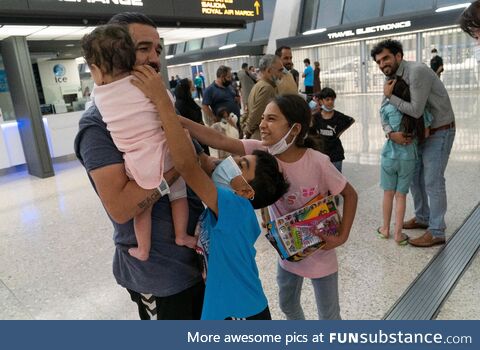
312, 104
225, 172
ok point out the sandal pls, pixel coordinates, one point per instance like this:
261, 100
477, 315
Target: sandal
380, 234
403, 241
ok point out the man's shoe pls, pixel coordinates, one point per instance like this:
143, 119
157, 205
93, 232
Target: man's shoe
426, 240
413, 224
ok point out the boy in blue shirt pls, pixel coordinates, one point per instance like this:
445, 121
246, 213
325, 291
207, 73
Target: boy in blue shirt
398, 161
229, 227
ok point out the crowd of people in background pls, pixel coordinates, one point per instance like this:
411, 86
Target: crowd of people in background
287, 150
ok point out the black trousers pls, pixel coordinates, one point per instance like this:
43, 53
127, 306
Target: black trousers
186, 305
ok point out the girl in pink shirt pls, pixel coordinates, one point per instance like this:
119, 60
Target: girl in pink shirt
135, 128
283, 129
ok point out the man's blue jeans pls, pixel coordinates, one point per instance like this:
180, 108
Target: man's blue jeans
428, 185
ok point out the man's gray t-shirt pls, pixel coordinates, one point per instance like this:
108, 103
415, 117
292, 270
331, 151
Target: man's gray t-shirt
170, 268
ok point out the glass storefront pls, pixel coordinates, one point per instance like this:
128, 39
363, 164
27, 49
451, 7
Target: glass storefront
6, 105
348, 68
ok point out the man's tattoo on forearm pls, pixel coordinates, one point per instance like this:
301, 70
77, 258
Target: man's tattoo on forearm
149, 200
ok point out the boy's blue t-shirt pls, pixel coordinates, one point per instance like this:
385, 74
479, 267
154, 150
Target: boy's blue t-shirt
390, 114
308, 71
233, 287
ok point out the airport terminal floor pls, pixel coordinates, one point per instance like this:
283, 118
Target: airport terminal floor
56, 251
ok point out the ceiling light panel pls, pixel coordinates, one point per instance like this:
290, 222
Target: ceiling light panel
7, 31
53, 32
77, 35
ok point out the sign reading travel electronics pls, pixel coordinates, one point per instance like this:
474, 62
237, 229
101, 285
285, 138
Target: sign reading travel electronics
369, 30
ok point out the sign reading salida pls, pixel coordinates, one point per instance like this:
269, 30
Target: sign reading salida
108, 2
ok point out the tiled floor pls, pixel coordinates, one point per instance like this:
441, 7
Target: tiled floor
56, 246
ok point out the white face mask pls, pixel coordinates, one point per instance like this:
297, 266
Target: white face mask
282, 145
476, 52
326, 109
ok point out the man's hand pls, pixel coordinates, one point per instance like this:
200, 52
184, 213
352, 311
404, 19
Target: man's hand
388, 88
400, 138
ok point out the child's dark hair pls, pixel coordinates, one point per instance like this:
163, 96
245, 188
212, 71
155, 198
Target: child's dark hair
409, 125
269, 184
296, 110
222, 112
470, 19
327, 92
111, 48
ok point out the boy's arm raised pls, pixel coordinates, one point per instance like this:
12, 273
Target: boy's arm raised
213, 138
180, 146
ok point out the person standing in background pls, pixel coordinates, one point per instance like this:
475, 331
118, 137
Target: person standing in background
308, 77
289, 83
220, 94
316, 78
247, 81
436, 63
198, 86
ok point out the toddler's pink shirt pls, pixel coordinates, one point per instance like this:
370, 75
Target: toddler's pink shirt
313, 174
136, 130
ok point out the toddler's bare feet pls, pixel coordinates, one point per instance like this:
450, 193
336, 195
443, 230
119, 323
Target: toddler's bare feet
141, 255
187, 241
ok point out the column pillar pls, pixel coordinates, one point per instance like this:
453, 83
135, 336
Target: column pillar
21, 84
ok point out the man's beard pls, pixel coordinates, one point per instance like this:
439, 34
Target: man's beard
288, 66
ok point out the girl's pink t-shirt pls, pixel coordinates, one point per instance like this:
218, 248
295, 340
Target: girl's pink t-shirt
311, 175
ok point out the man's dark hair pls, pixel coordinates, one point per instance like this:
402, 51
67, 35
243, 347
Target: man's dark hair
470, 18
306, 60
126, 18
327, 92
244, 65
223, 71
434, 50
394, 46
269, 184
278, 51
111, 48
182, 90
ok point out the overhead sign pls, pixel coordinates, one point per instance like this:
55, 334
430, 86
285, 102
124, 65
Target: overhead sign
108, 2
165, 12
369, 30
240, 9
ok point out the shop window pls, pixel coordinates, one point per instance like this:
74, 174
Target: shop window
309, 14
215, 41
240, 36
357, 11
180, 48
329, 13
192, 45
393, 7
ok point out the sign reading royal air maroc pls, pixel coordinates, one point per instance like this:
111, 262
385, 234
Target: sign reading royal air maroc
234, 9
177, 12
